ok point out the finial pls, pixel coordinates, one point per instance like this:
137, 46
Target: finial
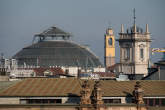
122, 28
109, 30
109, 25
147, 31
134, 16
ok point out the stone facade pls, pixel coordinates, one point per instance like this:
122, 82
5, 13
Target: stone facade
91, 99
134, 50
10, 100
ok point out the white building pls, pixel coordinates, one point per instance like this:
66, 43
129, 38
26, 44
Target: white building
134, 50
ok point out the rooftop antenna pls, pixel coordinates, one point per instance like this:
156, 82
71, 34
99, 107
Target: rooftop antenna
134, 16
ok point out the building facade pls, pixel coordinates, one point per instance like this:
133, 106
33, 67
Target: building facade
109, 48
70, 91
134, 50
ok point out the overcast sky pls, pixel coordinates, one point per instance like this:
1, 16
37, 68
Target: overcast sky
87, 20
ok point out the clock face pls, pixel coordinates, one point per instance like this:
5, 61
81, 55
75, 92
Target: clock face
110, 41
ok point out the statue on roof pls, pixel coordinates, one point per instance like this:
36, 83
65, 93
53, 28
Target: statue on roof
138, 94
85, 93
97, 94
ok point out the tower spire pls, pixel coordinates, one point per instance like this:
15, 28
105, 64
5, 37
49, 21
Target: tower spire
134, 25
134, 16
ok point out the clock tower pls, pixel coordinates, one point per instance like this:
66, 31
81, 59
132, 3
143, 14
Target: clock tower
109, 48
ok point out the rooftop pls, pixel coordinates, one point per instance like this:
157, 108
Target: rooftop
72, 86
53, 32
57, 53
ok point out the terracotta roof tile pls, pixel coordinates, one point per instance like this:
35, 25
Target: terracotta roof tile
72, 86
105, 74
55, 71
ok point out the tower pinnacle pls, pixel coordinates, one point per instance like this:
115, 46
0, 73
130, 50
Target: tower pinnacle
147, 31
122, 28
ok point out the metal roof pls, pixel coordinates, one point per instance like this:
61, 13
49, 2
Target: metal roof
53, 31
57, 53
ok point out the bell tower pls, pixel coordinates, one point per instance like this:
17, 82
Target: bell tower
109, 48
134, 49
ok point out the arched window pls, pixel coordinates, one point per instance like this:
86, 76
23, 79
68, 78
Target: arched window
141, 53
127, 53
110, 41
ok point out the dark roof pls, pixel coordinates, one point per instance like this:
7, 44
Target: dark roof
57, 53
162, 62
65, 87
154, 71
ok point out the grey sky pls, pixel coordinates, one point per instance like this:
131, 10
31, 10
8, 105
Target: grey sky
87, 20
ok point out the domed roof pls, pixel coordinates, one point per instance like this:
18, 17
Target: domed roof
57, 53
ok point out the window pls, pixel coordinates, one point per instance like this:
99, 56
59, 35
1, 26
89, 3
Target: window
150, 102
45, 101
116, 101
157, 102
58, 101
145, 101
127, 53
112, 100
163, 102
52, 101
154, 102
40, 101
141, 53
110, 41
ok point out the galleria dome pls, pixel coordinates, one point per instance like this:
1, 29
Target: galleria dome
49, 51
